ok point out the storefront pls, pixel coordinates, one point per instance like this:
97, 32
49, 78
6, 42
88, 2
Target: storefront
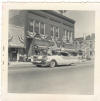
12, 54
16, 44
16, 54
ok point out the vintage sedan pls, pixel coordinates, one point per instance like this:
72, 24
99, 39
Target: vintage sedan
56, 58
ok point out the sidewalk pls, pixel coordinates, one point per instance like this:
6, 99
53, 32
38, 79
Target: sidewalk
12, 64
88, 61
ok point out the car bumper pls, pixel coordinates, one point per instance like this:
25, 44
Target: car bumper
43, 63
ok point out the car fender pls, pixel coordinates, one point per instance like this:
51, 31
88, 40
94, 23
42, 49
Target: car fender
50, 58
55, 61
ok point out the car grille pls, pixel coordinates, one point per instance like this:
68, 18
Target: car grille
36, 59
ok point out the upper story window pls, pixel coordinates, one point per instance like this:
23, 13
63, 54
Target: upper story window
71, 37
52, 31
64, 36
31, 26
68, 36
42, 28
91, 45
36, 27
56, 32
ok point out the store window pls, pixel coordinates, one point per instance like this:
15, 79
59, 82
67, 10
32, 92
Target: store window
42, 28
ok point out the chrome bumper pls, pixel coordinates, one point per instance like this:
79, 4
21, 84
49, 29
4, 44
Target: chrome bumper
41, 62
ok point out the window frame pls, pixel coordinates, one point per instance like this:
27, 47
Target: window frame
64, 36
42, 23
37, 27
71, 36
52, 26
29, 25
68, 37
57, 32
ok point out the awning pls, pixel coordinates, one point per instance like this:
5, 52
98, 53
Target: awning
16, 37
15, 46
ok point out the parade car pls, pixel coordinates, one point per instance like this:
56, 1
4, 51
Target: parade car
56, 58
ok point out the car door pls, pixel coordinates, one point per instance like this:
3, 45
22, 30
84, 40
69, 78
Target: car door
58, 59
65, 58
74, 58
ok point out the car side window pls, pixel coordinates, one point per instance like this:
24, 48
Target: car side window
64, 54
55, 53
73, 53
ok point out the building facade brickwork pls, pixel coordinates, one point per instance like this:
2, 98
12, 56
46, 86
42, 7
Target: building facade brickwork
42, 28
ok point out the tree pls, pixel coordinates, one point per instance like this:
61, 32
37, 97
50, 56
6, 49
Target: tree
62, 11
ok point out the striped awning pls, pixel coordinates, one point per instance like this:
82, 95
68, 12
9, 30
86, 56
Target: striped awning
16, 37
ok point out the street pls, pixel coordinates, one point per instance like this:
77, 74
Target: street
75, 79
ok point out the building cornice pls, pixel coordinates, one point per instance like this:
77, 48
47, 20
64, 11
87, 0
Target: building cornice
59, 15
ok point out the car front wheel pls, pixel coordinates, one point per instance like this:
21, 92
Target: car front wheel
52, 64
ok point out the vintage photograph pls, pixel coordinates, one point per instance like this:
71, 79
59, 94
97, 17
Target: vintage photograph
51, 51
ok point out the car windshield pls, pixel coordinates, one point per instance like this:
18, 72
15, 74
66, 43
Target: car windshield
59, 53
55, 53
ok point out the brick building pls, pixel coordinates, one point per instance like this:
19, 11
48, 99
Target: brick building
29, 29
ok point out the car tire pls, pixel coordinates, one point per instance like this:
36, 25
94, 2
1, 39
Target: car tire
52, 64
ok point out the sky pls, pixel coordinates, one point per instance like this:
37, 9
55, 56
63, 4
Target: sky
84, 22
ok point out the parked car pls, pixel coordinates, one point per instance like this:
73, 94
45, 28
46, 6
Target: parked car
56, 58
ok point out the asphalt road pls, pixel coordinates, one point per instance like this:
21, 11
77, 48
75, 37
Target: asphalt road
75, 79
